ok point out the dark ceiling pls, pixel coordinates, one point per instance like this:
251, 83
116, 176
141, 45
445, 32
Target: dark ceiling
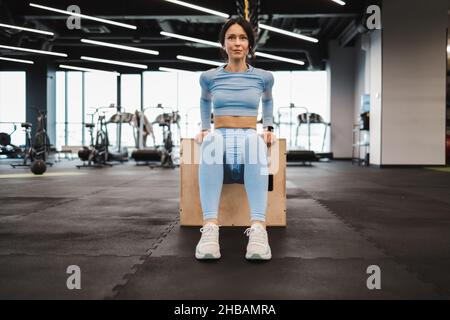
322, 19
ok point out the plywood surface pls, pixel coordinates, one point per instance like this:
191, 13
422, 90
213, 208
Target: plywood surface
234, 209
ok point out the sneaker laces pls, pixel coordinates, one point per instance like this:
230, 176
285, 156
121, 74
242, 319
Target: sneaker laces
257, 235
209, 232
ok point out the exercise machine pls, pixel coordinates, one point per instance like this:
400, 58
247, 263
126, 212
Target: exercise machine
41, 142
310, 119
120, 153
166, 120
158, 155
361, 134
37, 149
144, 155
7, 149
97, 154
27, 152
142, 129
294, 155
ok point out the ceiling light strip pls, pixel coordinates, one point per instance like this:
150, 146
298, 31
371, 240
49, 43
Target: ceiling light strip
173, 70
115, 62
75, 14
288, 33
342, 3
178, 36
64, 66
203, 9
118, 46
192, 59
17, 60
274, 57
34, 51
26, 29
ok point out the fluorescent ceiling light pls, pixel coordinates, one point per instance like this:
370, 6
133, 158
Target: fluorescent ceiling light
448, 49
342, 3
216, 44
64, 66
178, 36
173, 70
271, 56
16, 60
214, 63
34, 51
193, 6
118, 46
288, 33
124, 25
120, 63
27, 29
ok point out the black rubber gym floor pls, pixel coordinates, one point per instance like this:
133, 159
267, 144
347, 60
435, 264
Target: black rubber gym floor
120, 226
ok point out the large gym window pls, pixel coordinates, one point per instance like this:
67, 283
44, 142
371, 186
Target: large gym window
75, 103
101, 91
69, 109
12, 105
181, 91
160, 88
178, 91
309, 89
304, 90
60, 109
74, 108
130, 96
298, 92
189, 97
130, 93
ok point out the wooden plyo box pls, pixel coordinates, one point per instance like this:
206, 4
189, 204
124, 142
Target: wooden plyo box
234, 209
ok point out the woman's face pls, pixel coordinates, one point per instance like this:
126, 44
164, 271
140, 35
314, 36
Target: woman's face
236, 42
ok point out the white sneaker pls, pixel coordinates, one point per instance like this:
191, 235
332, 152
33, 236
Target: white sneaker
258, 243
208, 246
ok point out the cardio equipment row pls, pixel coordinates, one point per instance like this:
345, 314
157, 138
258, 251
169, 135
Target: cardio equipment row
99, 153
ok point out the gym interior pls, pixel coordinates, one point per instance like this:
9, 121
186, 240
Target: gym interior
98, 98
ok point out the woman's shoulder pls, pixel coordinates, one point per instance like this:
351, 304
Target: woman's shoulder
266, 75
208, 75
209, 72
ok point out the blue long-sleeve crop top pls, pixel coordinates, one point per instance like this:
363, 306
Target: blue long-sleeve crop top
236, 94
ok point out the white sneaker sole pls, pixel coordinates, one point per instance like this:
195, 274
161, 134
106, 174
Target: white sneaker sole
207, 256
257, 256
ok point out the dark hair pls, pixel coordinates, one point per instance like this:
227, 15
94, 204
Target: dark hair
248, 28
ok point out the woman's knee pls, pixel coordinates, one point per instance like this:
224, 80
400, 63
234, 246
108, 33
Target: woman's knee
211, 149
210, 137
256, 149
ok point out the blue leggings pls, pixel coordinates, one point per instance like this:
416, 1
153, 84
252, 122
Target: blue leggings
224, 154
